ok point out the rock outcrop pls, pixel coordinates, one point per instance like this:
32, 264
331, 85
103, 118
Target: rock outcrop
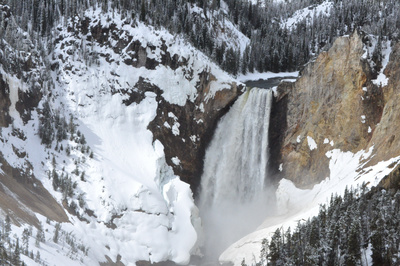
197, 121
386, 134
335, 105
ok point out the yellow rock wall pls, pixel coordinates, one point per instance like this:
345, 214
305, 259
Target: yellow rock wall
335, 100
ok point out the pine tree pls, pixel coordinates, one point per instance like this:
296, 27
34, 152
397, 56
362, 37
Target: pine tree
37, 257
46, 131
25, 241
40, 238
353, 256
264, 252
56, 232
143, 11
275, 252
7, 228
16, 256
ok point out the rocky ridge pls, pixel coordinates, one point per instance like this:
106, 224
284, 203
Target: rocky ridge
335, 104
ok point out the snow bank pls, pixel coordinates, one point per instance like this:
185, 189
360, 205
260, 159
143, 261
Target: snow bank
296, 204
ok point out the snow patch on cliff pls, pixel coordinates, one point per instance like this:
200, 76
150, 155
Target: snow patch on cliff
311, 143
382, 80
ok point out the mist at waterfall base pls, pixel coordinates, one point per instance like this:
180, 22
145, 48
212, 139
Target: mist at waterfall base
235, 196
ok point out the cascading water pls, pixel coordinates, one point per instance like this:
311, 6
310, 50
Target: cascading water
234, 195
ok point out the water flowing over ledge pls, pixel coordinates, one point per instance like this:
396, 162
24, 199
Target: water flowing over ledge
234, 188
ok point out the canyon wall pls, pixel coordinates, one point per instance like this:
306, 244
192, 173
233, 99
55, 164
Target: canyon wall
335, 104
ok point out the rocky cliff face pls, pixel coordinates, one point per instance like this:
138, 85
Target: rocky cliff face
197, 121
385, 137
336, 105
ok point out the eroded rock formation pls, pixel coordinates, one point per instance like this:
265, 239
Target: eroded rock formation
335, 105
197, 121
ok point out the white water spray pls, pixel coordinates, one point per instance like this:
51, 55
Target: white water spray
234, 198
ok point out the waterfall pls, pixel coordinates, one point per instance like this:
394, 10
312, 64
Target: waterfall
233, 198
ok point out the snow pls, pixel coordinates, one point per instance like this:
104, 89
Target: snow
326, 141
307, 14
369, 130
382, 80
297, 204
281, 167
52, 253
176, 160
298, 139
130, 176
266, 75
166, 125
311, 143
201, 107
176, 125
127, 182
262, 3
363, 117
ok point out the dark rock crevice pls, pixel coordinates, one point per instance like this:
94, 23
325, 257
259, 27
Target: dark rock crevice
277, 127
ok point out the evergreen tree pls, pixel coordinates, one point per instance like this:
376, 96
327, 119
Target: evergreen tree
16, 256
25, 241
56, 232
353, 256
275, 252
7, 228
40, 238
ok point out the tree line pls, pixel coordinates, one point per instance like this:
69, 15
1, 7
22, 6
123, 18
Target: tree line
356, 227
272, 47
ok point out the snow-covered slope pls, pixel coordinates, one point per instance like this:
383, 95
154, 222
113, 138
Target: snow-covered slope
307, 15
225, 33
108, 79
294, 204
